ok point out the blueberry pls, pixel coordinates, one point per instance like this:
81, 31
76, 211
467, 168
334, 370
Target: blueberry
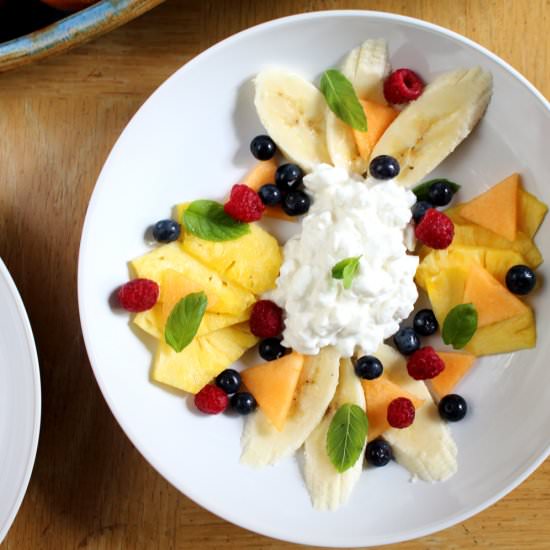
378, 453
453, 408
270, 194
263, 147
520, 279
440, 193
419, 209
384, 167
228, 380
271, 349
406, 340
296, 203
288, 176
243, 402
368, 367
425, 323
166, 231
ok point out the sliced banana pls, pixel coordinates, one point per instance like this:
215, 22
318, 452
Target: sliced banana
430, 128
262, 444
292, 111
328, 488
371, 69
426, 448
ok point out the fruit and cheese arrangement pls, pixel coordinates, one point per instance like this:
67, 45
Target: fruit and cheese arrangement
352, 374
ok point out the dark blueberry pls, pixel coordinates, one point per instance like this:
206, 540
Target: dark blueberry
440, 193
419, 209
368, 367
228, 380
296, 203
520, 279
271, 349
243, 402
263, 147
288, 176
166, 231
384, 167
270, 194
453, 408
378, 453
425, 323
406, 340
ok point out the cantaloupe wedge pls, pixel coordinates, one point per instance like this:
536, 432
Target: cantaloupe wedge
273, 385
261, 174
456, 366
493, 301
379, 393
379, 117
531, 213
497, 208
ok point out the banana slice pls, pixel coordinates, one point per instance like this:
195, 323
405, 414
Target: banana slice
292, 111
366, 67
328, 488
430, 128
262, 444
426, 448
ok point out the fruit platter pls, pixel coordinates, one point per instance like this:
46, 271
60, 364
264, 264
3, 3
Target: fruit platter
340, 297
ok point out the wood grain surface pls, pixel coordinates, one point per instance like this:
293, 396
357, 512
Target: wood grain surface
58, 120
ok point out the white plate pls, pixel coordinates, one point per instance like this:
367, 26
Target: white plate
190, 140
19, 401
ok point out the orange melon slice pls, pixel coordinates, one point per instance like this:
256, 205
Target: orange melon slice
497, 208
456, 366
493, 301
261, 174
379, 117
379, 393
273, 385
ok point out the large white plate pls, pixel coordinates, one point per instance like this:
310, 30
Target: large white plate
19, 401
190, 140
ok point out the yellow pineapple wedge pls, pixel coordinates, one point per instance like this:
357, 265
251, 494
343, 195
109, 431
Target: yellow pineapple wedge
252, 261
531, 212
203, 359
231, 299
446, 290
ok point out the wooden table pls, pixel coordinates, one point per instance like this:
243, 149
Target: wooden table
58, 120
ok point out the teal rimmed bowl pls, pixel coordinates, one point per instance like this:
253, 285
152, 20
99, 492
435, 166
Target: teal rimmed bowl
71, 30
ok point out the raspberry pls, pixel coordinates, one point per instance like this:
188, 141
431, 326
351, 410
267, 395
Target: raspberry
402, 86
138, 295
424, 364
435, 229
266, 319
401, 413
211, 400
244, 204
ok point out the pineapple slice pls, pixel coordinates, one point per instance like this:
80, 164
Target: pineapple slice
231, 299
446, 290
531, 213
252, 261
203, 359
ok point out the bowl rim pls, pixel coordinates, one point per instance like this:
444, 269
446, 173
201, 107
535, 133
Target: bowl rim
86, 320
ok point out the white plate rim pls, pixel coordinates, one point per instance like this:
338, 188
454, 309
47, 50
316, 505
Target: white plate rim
214, 508
34, 364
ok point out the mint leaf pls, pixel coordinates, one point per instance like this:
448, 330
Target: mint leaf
421, 191
208, 220
347, 270
342, 99
460, 325
184, 320
346, 436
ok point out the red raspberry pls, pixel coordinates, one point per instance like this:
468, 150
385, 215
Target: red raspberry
402, 86
266, 319
401, 413
435, 229
244, 204
424, 363
138, 295
211, 400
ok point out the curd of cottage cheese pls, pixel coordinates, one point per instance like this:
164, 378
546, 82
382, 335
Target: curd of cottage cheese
349, 217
